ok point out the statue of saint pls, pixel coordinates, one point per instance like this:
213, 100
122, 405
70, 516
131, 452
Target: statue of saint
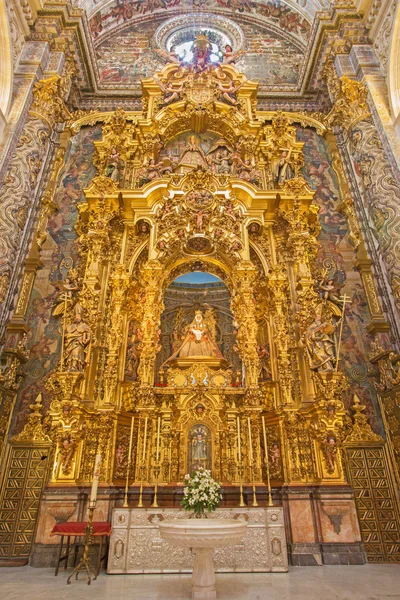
321, 345
76, 341
199, 448
114, 166
198, 341
282, 169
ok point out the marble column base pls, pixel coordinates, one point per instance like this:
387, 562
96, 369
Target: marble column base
203, 577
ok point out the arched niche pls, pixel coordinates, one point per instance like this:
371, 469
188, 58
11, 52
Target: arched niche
201, 293
199, 447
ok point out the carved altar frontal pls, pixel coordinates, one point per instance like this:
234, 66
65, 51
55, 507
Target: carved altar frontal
137, 547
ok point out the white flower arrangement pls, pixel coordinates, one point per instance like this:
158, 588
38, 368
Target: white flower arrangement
201, 492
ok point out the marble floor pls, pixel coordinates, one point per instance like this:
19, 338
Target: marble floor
368, 582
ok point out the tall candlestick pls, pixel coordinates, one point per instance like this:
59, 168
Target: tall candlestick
95, 481
250, 441
255, 503
240, 469
142, 467
158, 438
129, 464
156, 467
239, 445
270, 503
144, 440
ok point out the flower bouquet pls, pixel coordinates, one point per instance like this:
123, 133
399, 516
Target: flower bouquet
201, 493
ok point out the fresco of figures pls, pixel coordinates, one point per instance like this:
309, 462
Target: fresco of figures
122, 11
59, 254
336, 261
126, 58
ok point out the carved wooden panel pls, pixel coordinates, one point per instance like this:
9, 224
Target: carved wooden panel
376, 502
24, 477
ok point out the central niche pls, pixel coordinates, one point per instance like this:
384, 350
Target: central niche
197, 324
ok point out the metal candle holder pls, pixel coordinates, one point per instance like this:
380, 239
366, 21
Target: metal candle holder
85, 563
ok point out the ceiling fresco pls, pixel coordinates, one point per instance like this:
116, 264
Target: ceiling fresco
278, 14
123, 59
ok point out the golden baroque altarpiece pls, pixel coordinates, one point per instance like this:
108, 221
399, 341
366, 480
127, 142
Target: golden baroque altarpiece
252, 222
241, 211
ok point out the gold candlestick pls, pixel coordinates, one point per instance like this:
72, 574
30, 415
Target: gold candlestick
140, 503
85, 563
156, 468
255, 503
125, 505
270, 503
240, 468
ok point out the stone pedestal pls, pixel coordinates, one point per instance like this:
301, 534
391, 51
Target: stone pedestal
136, 545
202, 536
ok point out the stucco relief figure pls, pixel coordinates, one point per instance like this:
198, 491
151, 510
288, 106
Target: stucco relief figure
282, 169
320, 345
76, 342
198, 341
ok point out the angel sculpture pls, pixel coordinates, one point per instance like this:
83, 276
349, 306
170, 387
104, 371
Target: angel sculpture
65, 299
228, 94
229, 56
171, 56
171, 94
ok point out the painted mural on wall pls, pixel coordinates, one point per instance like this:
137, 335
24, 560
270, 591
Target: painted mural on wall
269, 58
336, 260
126, 58
278, 14
58, 255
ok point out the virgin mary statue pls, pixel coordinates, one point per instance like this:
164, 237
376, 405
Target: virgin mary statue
198, 342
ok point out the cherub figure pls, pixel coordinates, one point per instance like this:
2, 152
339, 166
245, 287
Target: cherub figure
228, 94
328, 291
171, 94
275, 454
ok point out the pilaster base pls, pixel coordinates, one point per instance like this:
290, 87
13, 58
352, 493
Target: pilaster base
314, 555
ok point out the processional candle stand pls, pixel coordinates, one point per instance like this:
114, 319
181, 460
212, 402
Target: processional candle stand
240, 467
143, 465
251, 463
156, 467
270, 503
128, 467
85, 563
